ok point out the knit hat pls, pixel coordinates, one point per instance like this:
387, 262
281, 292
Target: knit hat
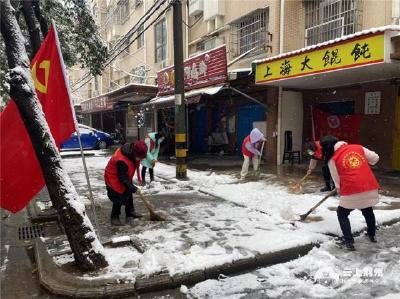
140, 149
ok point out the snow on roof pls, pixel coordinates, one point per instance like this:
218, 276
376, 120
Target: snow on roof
332, 41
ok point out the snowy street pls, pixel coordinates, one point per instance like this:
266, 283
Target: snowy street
241, 221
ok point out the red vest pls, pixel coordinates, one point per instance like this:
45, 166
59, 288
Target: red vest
245, 151
111, 172
354, 172
318, 150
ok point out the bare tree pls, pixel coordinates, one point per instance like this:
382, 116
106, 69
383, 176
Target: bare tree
87, 250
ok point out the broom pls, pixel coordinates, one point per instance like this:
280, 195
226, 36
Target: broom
304, 216
297, 187
153, 215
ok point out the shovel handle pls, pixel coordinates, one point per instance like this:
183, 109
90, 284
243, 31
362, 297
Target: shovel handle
302, 217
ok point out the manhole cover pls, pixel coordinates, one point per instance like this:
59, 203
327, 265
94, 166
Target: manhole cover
30, 232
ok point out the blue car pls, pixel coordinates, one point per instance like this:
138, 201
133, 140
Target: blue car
90, 138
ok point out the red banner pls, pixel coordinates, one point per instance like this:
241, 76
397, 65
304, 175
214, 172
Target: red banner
203, 70
21, 175
344, 127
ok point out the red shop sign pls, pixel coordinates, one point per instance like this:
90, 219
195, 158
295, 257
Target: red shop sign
203, 70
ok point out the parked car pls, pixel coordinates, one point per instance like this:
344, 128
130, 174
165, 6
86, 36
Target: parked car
90, 138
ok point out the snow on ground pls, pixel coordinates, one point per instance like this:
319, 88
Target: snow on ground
327, 272
217, 232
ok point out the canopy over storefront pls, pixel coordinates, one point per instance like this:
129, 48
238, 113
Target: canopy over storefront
369, 55
191, 97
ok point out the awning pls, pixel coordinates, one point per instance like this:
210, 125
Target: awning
352, 59
192, 97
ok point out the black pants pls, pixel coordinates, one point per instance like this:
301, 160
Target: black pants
151, 171
327, 176
343, 217
118, 201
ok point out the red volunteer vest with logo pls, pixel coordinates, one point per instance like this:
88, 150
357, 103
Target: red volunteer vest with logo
355, 174
245, 151
111, 172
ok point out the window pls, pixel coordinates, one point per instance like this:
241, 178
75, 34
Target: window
330, 19
140, 40
249, 32
160, 41
121, 12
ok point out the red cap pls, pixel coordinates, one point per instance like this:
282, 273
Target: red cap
140, 149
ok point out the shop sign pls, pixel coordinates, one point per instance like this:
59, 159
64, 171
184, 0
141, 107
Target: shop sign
203, 70
96, 105
345, 54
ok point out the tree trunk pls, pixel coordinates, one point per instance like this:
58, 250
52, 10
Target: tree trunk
42, 20
87, 250
33, 26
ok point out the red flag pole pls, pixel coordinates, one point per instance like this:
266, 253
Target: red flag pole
312, 123
77, 130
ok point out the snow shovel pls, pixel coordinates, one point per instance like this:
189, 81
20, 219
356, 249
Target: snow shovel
153, 215
297, 187
304, 216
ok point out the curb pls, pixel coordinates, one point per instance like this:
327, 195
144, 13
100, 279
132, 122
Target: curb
61, 283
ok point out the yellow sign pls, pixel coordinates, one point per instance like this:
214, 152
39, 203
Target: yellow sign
345, 54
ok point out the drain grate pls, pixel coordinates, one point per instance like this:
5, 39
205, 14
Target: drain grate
30, 232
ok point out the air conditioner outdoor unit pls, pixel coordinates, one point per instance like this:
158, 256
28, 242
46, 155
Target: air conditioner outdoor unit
195, 7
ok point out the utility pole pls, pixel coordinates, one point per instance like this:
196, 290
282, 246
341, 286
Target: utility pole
180, 106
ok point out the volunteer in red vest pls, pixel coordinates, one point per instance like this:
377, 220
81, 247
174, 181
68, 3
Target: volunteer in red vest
251, 147
355, 182
118, 176
314, 149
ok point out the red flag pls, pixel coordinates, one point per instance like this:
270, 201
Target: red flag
21, 176
344, 127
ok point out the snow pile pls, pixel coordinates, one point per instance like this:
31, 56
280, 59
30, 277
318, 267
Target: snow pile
325, 272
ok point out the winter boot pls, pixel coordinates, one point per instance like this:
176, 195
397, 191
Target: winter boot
372, 239
116, 222
346, 245
327, 187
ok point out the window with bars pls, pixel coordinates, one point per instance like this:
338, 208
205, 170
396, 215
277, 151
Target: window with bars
160, 32
140, 40
121, 12
330, 19
249, 32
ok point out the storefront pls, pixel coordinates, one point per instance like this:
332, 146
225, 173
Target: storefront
348, 87
118, 109
220, 112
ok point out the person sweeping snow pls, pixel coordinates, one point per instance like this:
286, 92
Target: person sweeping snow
355, 183
153, 142
251, 149
315, 151
118, 177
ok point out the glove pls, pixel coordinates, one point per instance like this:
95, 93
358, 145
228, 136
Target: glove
309, 172
133, 189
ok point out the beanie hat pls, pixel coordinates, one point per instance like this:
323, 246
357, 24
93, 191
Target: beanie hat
140, 149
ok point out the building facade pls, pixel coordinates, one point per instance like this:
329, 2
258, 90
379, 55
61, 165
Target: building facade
256, 33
